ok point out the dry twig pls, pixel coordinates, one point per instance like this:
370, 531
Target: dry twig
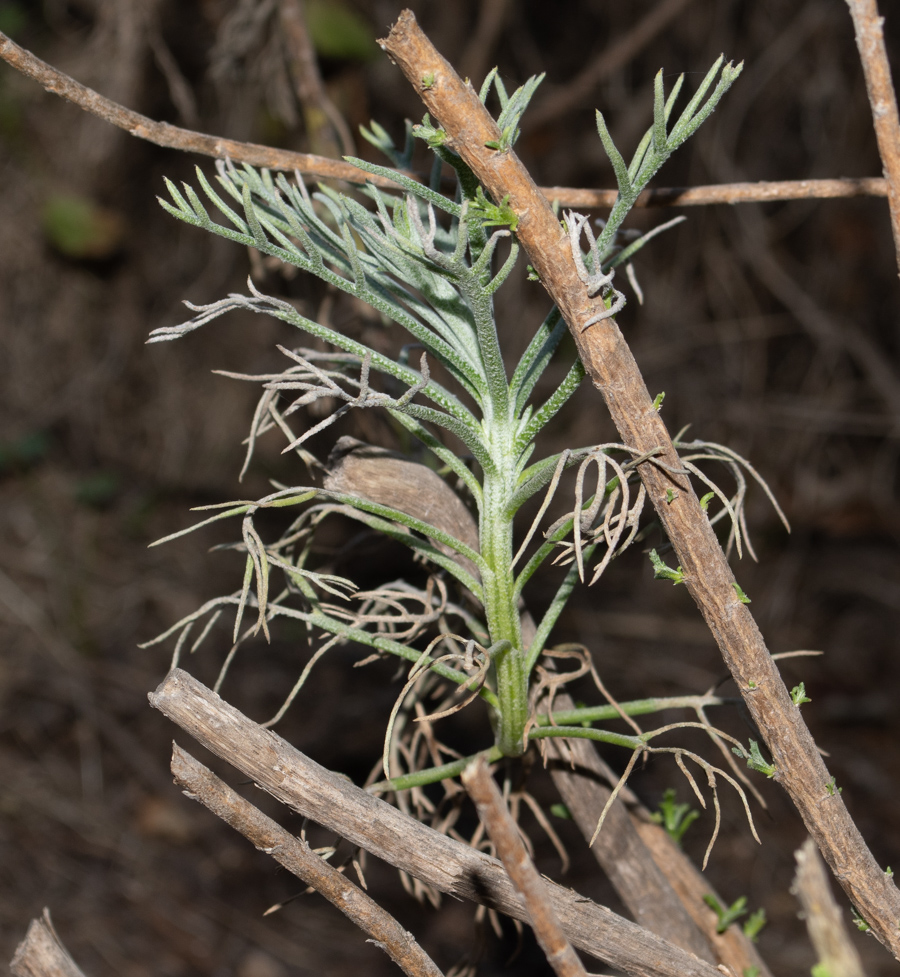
660, 885
201, 784
41, 953
732, 948
174, 137
824, 920
613, 370
372, 824
503, 832
877, 69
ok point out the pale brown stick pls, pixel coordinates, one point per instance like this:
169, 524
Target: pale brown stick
450, 866
732, 948
616, 56
201, 784
503, 832
174, 137
611, 366
666, 895
877, 69
41, 953
579, 775
725, 193
824, 920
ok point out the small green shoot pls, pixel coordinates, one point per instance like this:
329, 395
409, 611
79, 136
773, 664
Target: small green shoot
726, 916
675, 818
755, 760
820, 970
858, 921
505, 142
831, 788
561, 811
742, 597
799, 696
753, 924
751, 972
705, 501
752, 685
434, 136
670, 496
662, 571
492, 215
658, 401
428, 80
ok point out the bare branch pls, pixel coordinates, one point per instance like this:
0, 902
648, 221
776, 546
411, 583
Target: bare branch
732, 947
502, 829
612, 368
41, 953
186, 140
448, 865
725, 193
877, 69
174, 137
201, 784
824, 921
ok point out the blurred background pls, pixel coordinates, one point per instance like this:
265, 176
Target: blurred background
771, 328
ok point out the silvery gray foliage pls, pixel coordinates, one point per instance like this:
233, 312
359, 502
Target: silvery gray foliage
431, 265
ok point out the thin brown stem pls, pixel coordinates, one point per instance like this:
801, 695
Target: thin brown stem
724, 193
503, 832
186, 140
201, 784
436, 860
612, 368
877, 69
174, 137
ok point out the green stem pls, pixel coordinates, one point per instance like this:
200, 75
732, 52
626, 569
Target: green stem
421, 778
637, 707
499, 589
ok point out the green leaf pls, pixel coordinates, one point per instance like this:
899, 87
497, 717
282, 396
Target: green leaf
491, 214
858, 921
675, 818
662, 571
799, 696
726, 916
561, 811
754, 924
755, 760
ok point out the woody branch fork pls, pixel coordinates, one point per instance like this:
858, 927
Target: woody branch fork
614, 372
